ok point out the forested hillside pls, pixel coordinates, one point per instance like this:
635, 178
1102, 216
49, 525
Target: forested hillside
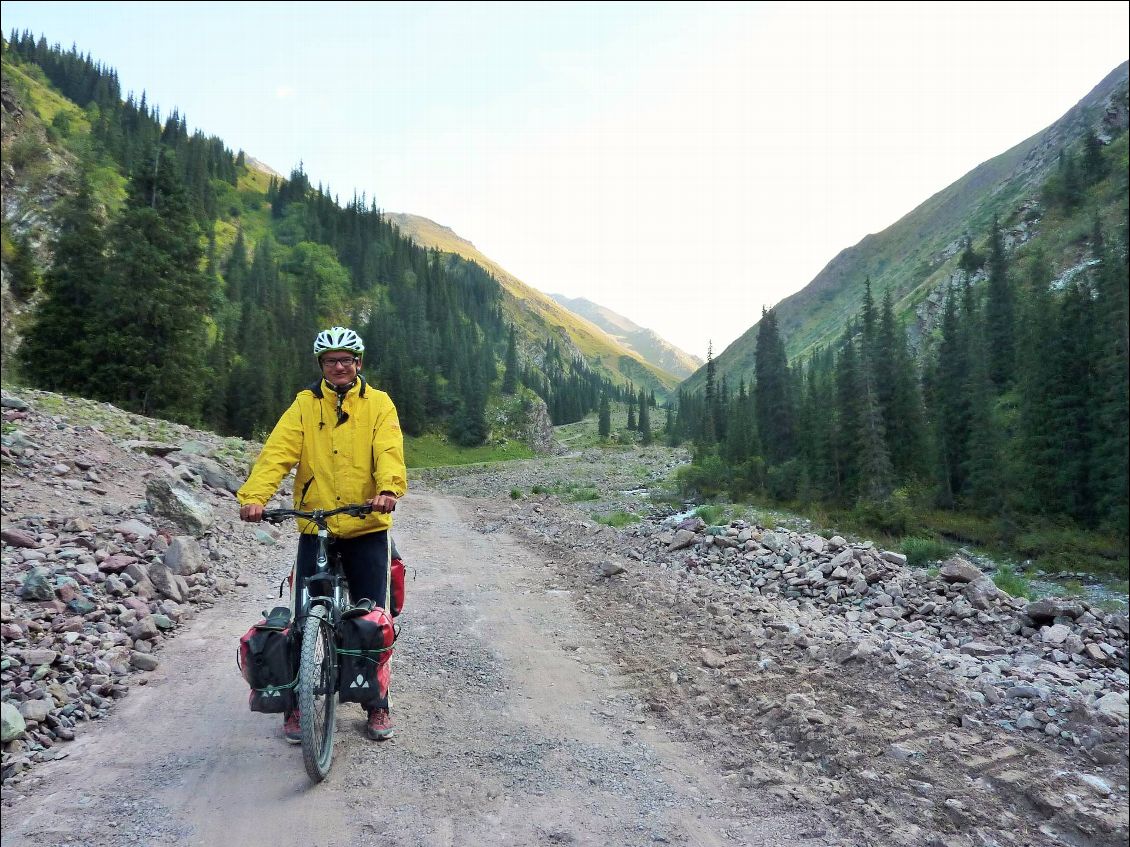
537, 316
152, 267
918, 255
1005, 424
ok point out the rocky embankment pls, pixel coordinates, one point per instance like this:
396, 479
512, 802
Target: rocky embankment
111, 542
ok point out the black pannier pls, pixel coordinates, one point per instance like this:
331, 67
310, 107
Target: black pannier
366, 647
268, 661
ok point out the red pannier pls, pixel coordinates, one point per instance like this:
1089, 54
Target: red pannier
396, 581
267, 661
366, 647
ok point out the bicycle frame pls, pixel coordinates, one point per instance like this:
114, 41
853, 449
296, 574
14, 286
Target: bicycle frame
331, 591
334, 600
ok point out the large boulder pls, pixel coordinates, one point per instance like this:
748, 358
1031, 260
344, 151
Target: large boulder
12, 724
981, 592
1114, 705
177, 504
211, 471
167, 583
958, 569
1050, 608
184, 556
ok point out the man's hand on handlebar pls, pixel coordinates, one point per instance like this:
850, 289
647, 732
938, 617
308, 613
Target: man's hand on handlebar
384, 503
252, 512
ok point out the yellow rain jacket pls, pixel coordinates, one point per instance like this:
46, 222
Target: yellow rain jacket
338, 464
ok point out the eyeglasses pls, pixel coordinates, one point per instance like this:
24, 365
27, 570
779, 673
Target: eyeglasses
336, 363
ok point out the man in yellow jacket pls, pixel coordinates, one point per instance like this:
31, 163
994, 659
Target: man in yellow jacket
344, 436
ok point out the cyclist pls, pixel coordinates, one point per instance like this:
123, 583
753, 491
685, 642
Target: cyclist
345, 437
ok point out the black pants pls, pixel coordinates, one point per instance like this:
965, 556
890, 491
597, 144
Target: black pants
365, 560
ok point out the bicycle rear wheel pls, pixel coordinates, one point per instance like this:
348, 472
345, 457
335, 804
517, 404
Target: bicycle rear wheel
317, 693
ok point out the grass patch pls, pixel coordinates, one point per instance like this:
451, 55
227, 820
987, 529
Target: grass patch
712, 514
581, 495
1011, 582
433, 451
919, 551
617, 519
1060, 549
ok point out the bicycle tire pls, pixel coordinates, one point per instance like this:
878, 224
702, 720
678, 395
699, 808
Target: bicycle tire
317, 693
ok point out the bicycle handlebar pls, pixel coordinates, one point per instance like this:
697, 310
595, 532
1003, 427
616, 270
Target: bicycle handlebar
318, 516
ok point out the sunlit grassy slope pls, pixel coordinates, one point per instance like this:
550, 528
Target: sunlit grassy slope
536, 313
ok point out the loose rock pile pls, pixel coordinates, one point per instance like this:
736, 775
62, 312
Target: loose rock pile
108, 547
1058, 666
1054, 666
913, 709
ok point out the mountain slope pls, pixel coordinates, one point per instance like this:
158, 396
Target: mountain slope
536, 314
917, 255
650, 345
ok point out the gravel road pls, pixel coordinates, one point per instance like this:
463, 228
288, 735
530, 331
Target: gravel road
514, 727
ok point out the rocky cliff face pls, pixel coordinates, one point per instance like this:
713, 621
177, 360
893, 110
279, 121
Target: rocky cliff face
34, 177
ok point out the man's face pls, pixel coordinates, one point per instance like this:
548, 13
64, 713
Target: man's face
339, 367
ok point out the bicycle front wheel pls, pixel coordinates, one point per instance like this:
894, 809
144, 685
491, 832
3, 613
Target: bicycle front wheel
317, 693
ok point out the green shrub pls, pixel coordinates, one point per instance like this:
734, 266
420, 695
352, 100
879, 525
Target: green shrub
919, 551
515, 494
537, 489
891, 517
783, 481
26, 151
706, 479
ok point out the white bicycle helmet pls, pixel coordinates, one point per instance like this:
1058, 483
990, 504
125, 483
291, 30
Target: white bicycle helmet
338, 338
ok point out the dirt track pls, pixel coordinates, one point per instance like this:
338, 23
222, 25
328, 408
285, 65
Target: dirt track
513, 727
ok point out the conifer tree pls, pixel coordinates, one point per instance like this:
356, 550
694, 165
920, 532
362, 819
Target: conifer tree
709, 425
850, 412
510, 379
1034, 448
644, 424
150, 315
23, 278
772, 397
62, 334
984, 478
604, 416
1075, 355
876, 476
1094, 165
999, 314
1112, 381
897, 390
949, 405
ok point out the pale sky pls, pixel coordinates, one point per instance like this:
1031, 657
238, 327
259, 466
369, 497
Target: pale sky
682, 164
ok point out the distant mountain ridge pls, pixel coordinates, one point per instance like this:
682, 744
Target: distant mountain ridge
649, 344
917, 255
537, 314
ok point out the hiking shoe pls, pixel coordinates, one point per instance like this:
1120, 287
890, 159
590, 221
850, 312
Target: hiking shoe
292, 727
379, 725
